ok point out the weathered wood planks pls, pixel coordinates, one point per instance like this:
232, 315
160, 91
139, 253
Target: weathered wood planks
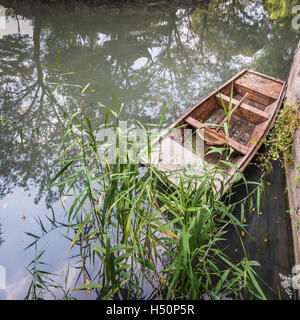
214, 138
175, 160
260, 84
234, 109
245, 111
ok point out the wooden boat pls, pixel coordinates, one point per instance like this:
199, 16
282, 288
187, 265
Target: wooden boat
253, 106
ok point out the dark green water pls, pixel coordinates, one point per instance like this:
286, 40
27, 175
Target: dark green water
268, 238
147, 53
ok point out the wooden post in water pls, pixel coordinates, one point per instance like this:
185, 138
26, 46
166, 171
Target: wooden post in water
292, 95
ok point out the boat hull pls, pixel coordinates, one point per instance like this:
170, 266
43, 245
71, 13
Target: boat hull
239, 115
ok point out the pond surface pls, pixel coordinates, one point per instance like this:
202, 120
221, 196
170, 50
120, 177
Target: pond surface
148, 53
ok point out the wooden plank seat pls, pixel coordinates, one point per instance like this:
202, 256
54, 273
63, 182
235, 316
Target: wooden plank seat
171, 155
245, 111
214, 138
175, 160
260, 84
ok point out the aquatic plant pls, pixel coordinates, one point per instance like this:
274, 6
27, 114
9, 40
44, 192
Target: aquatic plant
145, 237
280, 139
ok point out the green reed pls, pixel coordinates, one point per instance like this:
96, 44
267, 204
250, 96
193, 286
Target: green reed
141, 232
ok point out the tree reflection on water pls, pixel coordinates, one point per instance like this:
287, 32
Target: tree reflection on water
146, 52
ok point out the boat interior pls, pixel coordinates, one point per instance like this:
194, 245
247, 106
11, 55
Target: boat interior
254, 100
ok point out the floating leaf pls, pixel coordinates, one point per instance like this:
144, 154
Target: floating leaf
87, 282
63, 201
